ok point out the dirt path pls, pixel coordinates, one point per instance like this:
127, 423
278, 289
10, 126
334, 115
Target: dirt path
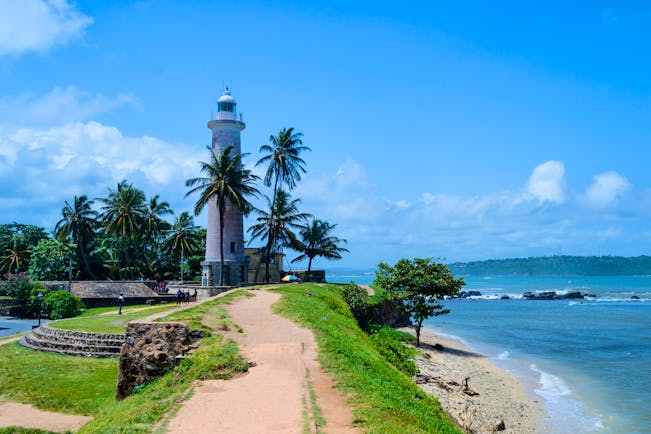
368, 289
273, 396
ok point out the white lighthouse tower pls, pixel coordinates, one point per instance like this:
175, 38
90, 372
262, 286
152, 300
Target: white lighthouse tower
226, 130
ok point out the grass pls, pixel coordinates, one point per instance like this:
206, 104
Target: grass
76, 385
81, 385
383, 398
113, 323
20, 430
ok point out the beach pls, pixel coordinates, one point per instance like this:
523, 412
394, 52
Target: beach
494, 400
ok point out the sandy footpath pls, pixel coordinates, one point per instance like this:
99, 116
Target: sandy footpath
492, 397
272, 396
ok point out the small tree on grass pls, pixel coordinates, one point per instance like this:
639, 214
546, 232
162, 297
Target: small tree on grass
61, 304
420, 284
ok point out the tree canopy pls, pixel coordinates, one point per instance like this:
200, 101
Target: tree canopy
420, 284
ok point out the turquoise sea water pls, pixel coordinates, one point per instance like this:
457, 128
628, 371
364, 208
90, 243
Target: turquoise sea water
590, 360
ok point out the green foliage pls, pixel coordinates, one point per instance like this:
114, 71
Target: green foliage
384, 399
49, 260
419, 283
21, 430
389, 343
61, 304
18, 286
357, 299
558, 265
337, 304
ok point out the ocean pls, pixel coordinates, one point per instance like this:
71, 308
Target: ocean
589, 360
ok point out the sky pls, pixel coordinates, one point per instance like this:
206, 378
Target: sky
456, 130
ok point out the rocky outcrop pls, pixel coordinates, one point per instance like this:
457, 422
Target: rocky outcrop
73, 343
389, 313
552, 295
150, 350
466, 294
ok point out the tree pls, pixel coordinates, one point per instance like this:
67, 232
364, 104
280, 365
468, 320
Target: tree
284, 166
182, 238
228, 184
123, 215
49, 261
16, 242
419, 283
78, 224
279, 224
316, 240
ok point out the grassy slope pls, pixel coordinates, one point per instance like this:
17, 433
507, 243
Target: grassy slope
384, 399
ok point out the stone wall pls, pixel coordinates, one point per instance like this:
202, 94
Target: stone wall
150, 350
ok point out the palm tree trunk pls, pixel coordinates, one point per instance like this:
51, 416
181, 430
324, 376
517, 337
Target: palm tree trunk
267, 277
117, 257
221, 244
85, 259
309, 265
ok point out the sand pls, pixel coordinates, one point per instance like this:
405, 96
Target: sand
500, 397
271, 396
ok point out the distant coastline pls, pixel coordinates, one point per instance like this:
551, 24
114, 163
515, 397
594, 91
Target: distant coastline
561, 265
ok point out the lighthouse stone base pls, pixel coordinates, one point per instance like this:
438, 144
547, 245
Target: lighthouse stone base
235, 273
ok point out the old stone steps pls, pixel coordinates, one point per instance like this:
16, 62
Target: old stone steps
75, 343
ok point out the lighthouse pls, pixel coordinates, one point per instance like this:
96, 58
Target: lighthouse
226, 129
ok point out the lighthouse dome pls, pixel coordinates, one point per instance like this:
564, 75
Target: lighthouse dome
226, 98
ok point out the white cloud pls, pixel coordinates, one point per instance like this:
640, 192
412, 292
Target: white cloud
60, 105
40, 168
37, 25
606, 188
546, 183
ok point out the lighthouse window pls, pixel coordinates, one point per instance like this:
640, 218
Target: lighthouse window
225, 106
233, 247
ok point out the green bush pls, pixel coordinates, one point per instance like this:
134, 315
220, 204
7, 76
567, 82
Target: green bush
357, 298
389, 343
61, 304
337, 304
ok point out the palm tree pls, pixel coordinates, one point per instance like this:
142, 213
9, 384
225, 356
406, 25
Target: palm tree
123, 215
78, 223
285, 166
228, 184
155, 227
14, 258
182, 237
316, 240
280, 222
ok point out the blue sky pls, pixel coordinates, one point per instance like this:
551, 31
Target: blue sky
456, 130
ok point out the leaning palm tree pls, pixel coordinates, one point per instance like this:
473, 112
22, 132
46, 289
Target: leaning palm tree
316, 240
78, 224
280, 222
182, 238
123, 215
284, 166
228, 184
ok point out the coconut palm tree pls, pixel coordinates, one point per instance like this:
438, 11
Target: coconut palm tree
182, 238
284, 166
316, 240
78, 224
280, 222
228, 184
154, 228
123, 215
15, 258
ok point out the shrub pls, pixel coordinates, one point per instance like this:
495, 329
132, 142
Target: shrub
61, 304
337, 304
389, 343
357, 298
